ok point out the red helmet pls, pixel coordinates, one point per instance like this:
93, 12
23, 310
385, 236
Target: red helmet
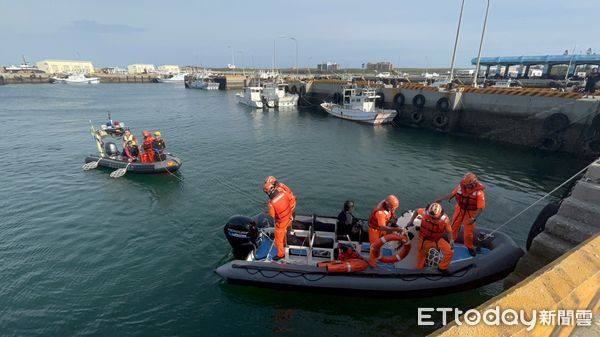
469, 178
435, 210
392, 202
269, 185
145, 133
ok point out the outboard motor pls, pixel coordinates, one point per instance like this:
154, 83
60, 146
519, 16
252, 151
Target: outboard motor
111, 149
242, 232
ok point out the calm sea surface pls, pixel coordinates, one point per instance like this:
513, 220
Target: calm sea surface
84, 254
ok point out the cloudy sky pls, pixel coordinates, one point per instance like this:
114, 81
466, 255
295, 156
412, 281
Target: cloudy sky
408, 33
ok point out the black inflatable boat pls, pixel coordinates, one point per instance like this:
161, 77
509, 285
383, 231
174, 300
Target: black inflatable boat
314, 240
170, 164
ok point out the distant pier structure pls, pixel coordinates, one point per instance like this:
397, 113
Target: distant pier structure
524, 64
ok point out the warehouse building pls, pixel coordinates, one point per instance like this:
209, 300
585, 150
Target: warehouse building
65, 66
169, 69
139, 68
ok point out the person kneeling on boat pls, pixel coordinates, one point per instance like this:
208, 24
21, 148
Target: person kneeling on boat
148, 155
282, 203
159, 146
434, 225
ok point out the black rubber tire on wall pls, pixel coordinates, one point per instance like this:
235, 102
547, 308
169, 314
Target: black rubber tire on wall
556, 122
443, 104
440, 120
539, 224
418, 101
399, 100
302, 91
293, 89
416, 117
551, 143
286, 88
380, 101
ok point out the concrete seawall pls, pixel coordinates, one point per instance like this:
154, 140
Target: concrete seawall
541, 118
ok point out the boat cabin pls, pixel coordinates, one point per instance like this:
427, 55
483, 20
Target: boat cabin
359, 98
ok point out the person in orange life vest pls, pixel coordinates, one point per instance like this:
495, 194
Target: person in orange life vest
381, 215
148, 150
434, 225
470, 202
282, 203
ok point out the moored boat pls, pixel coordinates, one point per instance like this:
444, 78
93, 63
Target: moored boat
314, 241
75, 79
177, 78
358, 104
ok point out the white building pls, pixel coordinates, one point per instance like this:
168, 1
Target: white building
169, 69
65, 66
139, 68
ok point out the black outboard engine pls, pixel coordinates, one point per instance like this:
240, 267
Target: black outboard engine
111, 149
242, 232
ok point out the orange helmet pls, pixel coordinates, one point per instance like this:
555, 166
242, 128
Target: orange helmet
435, 210
469, 178
392, 201
270, 183
145, 133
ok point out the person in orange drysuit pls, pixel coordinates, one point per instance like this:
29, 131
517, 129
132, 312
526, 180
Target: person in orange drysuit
148, 150
381, 215
434, 225
282, 203
470, 202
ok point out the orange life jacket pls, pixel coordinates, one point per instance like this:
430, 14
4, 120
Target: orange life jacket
373, 218
432, 228
148, 144
281, 201
467, 198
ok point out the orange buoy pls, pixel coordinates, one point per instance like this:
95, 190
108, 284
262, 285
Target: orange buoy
376, 248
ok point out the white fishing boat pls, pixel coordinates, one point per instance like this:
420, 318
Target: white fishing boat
251, 96
178, 78
75, 79
358, 104
275, 92
203, 81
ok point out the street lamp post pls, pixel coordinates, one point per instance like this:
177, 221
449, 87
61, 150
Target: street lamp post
456, 41
296, 43
487, 9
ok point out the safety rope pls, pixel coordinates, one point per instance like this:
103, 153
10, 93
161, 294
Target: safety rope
537, 201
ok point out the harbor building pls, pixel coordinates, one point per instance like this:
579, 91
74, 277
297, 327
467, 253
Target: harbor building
380, 66
521, 66
65, 66
169, 69
139, 68
328, 66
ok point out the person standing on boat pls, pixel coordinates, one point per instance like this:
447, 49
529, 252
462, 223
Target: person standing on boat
435, 224
282, 204
470, 202
381, 216
148, 150
159, 146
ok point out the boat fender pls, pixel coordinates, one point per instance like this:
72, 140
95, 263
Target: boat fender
418, 101
293, 89
399, 100
556, 122
443, 104
337, 98
302, 91
551, 143
380, 101
440, 120
593, 145
539, 224
416, 117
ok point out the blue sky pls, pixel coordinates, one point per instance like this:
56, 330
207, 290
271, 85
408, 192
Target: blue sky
408, 33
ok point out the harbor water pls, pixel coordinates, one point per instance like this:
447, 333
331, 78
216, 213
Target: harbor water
85, 254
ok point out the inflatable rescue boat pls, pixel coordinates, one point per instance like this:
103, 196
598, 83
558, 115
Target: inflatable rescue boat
316, 259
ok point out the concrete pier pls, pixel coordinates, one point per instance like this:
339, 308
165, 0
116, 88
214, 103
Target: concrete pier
548, 119
577, 219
